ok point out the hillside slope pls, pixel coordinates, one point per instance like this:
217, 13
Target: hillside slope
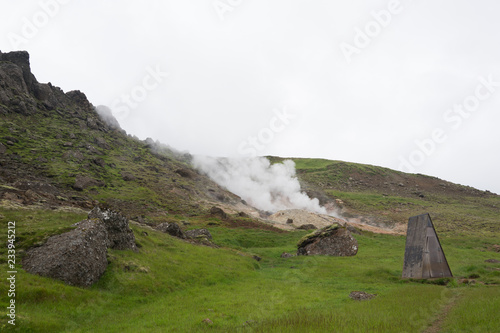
55, 150
385, 197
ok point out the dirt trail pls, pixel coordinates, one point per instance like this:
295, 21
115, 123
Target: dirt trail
437, 324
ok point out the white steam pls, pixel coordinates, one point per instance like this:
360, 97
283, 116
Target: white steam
262, 185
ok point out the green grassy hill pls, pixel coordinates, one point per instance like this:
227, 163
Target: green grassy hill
389, 196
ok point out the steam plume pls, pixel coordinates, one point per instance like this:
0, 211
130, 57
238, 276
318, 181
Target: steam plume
264, 186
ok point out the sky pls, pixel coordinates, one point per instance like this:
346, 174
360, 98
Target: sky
409, 85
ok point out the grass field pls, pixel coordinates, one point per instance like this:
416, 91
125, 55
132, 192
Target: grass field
172, 286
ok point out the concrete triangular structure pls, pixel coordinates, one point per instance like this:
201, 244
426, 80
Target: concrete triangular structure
424, 256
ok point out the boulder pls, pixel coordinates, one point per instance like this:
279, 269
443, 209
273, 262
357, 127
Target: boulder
198, 233
286, 255
171, 228
127, 176
120, 236
333, 240
218, 212
186, 173
77, 257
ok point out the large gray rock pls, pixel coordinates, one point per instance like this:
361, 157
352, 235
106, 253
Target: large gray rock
333, 240
77, 257
198, 233
120, 236
171, 228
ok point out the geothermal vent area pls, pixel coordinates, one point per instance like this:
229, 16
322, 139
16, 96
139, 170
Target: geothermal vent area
272, 193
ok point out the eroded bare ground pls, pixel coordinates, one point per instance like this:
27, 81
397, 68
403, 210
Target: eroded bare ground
294, 218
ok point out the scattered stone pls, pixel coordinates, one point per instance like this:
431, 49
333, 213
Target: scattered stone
333, 240
171, 228
77, 257
207, 321
495, 248
144, 233
492, 261
307, 227
218, 212
257, 258
120, 236
361, 295
186, 173
286, 255
243, 214
198, 233
99, 162
185, 223
83, 182
68, 144
73, 154
3, 149
127, 176
289, 221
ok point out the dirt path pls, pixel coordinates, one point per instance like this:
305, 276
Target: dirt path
437, 324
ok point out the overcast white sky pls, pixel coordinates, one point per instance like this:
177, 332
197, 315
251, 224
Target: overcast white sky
359, 81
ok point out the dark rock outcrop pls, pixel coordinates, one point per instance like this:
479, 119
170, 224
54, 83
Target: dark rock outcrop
171, 228
120, 236
333, 240
492, 261
307, 227
198, 233
218, 212
77, 257
83, 182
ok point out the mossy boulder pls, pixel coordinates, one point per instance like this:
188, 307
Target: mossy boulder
333, 240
